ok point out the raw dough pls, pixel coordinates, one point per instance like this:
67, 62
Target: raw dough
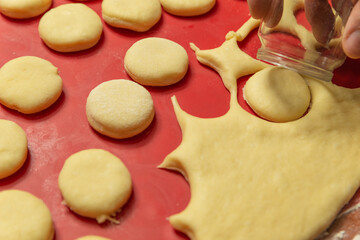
137, 15
92, 238
21, 9
244, 30
95, 184
187, 7
24, 216
70, 28
13, 148
255, 179
230, 62
277, 94
156, 62
119, 108
29, 84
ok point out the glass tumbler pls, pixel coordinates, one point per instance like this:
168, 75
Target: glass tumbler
291, 42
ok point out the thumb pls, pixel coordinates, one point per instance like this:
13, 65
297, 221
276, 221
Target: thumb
351, 36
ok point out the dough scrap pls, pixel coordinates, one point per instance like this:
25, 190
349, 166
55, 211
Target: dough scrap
255, 179
187, 8
244, 30
29, 84
156, 62
136, 15
92, 237
24, 216
119, 108
13, 148
95, 184
21, 9
229, 61
70, 27
277, 94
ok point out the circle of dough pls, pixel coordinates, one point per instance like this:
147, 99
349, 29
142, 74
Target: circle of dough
277, 94
187, 8
119, 108
95, 184
136, 15
156, 62
92, 237
21, 9
29, 84
24, 216
13, 148
70, 27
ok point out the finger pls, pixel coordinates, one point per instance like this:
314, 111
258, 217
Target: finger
343, 8
321, 18
351, 36
274, 14
259, 8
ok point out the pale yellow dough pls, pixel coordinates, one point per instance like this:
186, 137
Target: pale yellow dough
119, 108
21, 9
187, 7
156, 62
13, 148
24, 216
136, 15
70, 27
277, 94
92, 237
29, 84
95, 184
254, 179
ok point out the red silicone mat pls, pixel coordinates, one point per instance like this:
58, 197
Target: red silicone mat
62, 130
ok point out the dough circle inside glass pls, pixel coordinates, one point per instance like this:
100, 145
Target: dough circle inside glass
70, 27
119, 108
13, 148
156, 62
23, 214
277, 94
95, 184
136, 15
29, 84
21, 9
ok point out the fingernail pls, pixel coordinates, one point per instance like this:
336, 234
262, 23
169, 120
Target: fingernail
352, 44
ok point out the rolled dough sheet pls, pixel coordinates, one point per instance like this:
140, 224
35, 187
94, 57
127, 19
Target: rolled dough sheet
254, 179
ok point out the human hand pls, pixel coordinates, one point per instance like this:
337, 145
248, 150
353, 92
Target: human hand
320, 17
